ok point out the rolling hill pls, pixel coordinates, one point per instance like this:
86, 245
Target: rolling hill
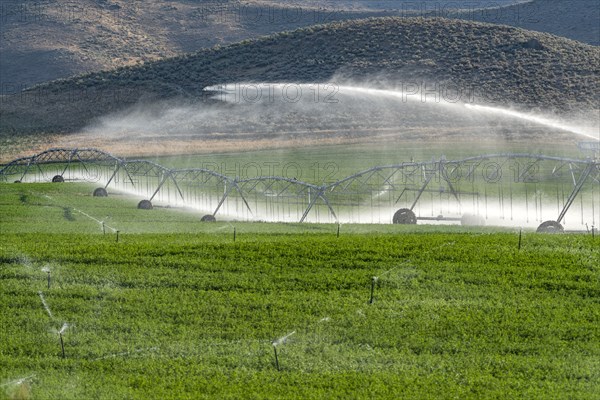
52, 39
508, 66
47, 40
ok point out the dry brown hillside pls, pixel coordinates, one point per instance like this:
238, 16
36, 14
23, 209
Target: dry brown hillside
514, 66
50, 39
46, 40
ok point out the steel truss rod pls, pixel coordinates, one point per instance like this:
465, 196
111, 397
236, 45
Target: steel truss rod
26, 169
232, 184
392, 177
444, 177
579, 184
163, 181
422, 190
117, 167
312, 203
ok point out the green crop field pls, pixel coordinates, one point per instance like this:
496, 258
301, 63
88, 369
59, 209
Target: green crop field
176, 308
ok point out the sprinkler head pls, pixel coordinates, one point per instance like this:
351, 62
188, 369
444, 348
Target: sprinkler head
282, 339
63, 329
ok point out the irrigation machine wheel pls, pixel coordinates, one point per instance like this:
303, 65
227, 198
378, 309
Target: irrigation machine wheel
550, 227
472, 220
404, 216
58, 178
208, 218
100, 192
17, 181
144, 205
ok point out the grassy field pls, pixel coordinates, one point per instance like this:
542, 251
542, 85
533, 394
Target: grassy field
179, 309
47, 208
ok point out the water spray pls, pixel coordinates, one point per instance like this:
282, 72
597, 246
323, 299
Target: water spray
13, 386
101, 223
19, 381
375, 279
235, 91
45, 305
536, 119
278, 342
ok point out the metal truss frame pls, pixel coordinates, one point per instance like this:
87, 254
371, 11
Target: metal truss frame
392, 183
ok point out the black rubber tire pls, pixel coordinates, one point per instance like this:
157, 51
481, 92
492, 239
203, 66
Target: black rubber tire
144, 205
472, 220
404, 216
208, 218
100, 192
58, 178
17, 181
550, 227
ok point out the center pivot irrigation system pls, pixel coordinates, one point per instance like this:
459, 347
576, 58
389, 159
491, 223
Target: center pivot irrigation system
498, 189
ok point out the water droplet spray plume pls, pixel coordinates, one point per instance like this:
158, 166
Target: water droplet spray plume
19, 381
63, 328
283, 339
588, 132
13, 385
278, 342
45, 305
237, 119
232, 92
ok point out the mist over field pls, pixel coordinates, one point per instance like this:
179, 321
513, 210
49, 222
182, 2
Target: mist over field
281, 111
